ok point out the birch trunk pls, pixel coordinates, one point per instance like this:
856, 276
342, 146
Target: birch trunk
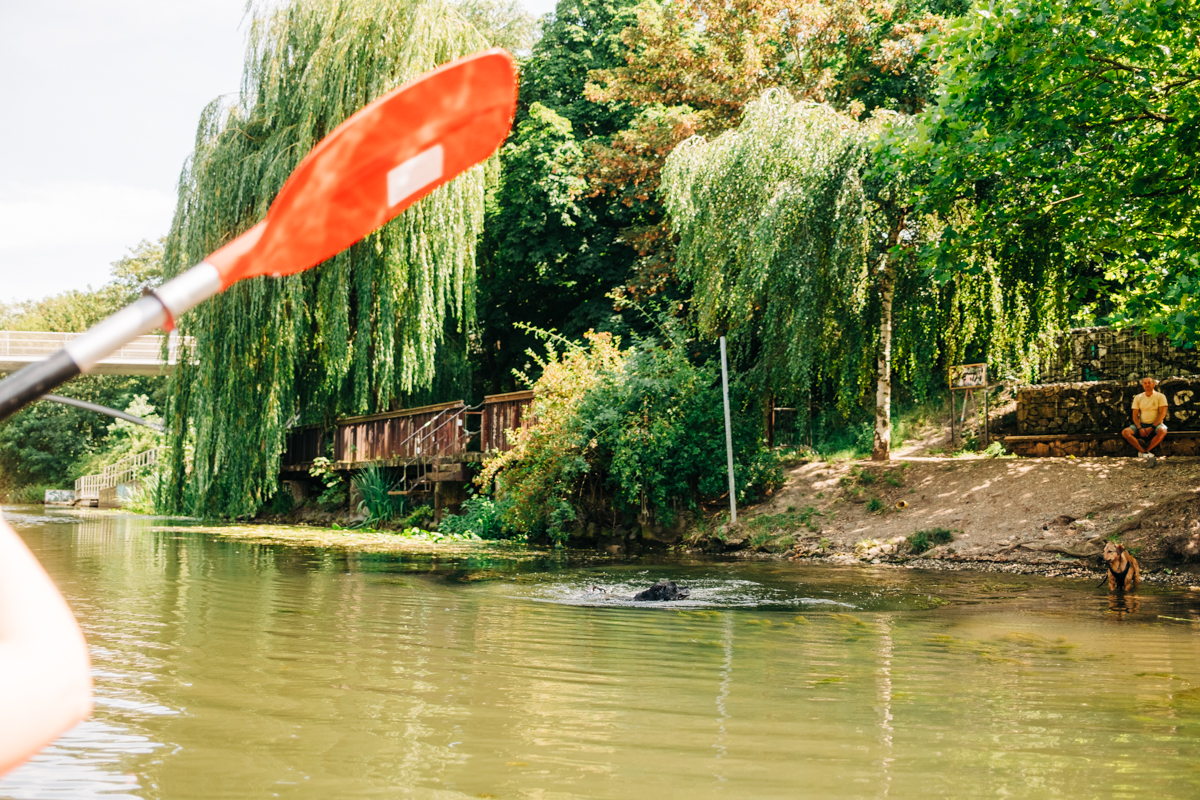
883, 391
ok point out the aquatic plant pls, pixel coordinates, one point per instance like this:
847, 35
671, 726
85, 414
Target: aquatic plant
355, 334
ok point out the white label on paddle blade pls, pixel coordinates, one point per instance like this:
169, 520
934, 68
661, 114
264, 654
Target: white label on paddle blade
414, 175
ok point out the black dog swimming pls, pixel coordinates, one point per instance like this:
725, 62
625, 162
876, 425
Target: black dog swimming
663, 590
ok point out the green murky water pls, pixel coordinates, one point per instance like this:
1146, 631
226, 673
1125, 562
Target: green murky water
233, 670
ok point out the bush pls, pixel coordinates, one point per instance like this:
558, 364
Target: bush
643, 427
931, 537
31, 494
481, 516
334, 495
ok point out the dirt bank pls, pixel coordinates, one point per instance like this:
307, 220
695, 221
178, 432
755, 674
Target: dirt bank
1049, 513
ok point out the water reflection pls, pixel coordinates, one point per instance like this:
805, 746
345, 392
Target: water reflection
232, 669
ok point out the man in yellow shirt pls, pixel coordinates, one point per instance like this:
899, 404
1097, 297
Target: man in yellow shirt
1149, 411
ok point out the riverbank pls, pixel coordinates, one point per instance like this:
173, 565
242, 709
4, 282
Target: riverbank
1047, 515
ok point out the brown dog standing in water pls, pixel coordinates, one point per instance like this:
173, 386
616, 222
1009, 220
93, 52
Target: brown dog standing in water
1123, 573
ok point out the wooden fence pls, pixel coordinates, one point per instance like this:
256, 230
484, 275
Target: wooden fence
438, 430
503, 412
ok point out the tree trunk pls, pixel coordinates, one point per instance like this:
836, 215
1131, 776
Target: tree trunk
883, 391
882, 450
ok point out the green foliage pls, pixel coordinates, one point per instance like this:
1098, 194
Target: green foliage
76, 311
874, 505
29, 494
51, 443
373, 484
334, 495
504, 23
124, 439
481, 515
281, 503
639, 432
923, 540
779, 232
552, 246
1067, 137
417, 517
776, 524
355, 334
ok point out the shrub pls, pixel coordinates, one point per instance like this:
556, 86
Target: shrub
874, 505
334, 495
28, 495
646, 425
931, 537
481, 516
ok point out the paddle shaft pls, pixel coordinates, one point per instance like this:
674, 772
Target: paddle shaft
158, 309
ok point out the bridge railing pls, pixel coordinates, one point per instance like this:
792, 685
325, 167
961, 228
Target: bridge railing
127, 469
143, 355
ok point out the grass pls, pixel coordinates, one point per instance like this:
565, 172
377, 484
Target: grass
28, 495
773, 531
874, 505
925, 539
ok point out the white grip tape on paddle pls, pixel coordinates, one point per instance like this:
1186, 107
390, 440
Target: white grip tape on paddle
153, 311
189, 289
415, 174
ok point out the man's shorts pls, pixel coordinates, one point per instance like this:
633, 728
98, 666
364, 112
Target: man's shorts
1136, 430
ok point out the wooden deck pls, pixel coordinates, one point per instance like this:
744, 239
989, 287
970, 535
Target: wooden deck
435, 435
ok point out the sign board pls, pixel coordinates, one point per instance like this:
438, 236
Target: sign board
968, 376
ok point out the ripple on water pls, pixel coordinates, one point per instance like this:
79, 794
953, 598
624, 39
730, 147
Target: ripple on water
705, 593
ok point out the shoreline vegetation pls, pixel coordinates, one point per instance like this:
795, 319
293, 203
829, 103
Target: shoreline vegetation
1048, 517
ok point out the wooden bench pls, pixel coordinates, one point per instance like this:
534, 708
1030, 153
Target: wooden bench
1177, 443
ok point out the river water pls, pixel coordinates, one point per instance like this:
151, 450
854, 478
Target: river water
226, 669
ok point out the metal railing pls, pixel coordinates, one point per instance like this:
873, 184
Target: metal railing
127, 469
18, 348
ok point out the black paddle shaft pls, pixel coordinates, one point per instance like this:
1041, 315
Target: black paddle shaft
23, 387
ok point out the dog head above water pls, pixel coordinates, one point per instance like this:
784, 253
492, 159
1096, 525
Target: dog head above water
663, 590
1113, 553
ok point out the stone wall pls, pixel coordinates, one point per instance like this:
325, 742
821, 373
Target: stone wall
1102, 407
1176, 444
1108, 354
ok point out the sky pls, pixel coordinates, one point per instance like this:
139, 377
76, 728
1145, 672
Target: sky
102, 98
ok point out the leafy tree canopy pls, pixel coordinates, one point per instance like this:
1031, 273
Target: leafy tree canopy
1079, 120
356, 333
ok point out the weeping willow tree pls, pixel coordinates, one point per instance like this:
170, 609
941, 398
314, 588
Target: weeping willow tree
796, 232
362, 329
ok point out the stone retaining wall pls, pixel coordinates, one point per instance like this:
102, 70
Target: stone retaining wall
1173, 445
1108, 354
1101, 407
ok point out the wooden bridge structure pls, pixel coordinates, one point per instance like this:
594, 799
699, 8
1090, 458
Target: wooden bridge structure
428, 447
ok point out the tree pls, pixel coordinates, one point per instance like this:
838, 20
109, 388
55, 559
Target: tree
797, 233
50, 443
692, 65
551, 251
504, 23
355, 334
1077, 121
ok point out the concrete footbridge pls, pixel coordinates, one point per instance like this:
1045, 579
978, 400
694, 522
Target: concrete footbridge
142, 356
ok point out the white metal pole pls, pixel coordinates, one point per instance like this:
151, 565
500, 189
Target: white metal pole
728, 434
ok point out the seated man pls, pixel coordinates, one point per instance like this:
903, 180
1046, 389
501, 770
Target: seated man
1149, 411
